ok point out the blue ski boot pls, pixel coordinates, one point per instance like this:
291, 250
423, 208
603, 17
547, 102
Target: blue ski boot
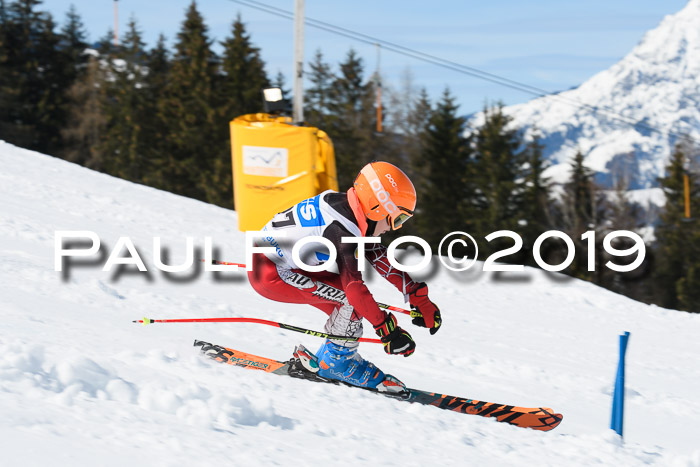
334, 361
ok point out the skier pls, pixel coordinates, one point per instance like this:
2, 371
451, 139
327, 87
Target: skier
381, 199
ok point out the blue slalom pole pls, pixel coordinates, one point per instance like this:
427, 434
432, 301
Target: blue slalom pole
619, 396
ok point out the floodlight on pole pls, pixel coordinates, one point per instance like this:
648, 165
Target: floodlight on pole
274, 101
272, 94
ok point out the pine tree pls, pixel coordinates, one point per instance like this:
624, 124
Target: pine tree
17, 73
498, 167
417, 122
244, 74
534, 217
678, 238
346, 95
581, 209
56, 75
154, 127
158, 66
72, 51
73, 43
105, 44
420, 113
352, 120
189, 109
446, 187
688, 287
579, 199
8, 91
32, 71
317, 96
402, 101
83, 133
405, 130
408, 120
240, 90
127, 108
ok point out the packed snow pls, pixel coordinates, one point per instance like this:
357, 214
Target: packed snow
80, 384
654, 89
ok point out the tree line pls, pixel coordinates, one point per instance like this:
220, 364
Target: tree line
160, 117
152, 116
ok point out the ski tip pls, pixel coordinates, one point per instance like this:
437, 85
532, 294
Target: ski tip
558, 419
549, 422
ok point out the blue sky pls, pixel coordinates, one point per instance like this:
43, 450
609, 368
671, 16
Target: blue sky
552, 45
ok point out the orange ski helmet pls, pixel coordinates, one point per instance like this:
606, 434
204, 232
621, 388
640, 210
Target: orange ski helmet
385, 191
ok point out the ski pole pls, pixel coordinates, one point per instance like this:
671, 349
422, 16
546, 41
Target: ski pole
276, 324
381, 305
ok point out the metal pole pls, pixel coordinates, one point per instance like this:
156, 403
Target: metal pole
298, 103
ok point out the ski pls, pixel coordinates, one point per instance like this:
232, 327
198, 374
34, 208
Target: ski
540, 418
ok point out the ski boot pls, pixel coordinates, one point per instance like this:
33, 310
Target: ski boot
340, 363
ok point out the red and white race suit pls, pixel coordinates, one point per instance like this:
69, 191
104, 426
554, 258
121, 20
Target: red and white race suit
343, 296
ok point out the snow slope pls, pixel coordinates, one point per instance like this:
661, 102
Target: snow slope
81, 385
656, 85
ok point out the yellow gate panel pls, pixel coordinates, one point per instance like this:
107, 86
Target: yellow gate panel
276, 165
326, 173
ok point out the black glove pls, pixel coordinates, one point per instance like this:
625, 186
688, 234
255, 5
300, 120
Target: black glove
424, 312
396, 341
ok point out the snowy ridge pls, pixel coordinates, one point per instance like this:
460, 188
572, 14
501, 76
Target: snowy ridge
656, 85
88, 387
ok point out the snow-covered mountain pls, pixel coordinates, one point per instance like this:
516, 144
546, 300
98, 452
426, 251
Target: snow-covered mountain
657, 85
81, 385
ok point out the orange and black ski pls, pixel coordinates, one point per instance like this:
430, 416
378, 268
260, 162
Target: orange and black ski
540, 418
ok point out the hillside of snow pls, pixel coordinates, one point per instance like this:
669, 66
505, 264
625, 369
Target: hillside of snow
80, 384
655, 86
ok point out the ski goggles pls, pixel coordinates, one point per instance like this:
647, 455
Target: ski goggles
397, 221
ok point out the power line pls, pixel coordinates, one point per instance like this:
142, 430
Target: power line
457, 67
